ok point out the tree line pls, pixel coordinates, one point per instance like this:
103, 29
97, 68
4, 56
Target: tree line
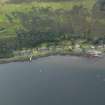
45, 25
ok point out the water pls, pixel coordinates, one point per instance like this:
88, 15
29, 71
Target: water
54, 80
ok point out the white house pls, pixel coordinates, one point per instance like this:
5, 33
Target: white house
94, 53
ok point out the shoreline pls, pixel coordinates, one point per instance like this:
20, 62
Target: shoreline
25, 58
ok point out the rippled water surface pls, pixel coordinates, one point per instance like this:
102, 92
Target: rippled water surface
54, 80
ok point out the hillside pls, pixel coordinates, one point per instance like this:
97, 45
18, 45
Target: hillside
28, 25
9, 8
25, 1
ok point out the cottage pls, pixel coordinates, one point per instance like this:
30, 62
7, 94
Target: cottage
94, 53
70, 47
22, 53
92, 47
77, 46
43, 49
59, 48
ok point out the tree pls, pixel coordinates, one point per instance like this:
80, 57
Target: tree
80, 24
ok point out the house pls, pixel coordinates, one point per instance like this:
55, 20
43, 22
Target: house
94, 53
70, 47
22, 53
59, 48
92, 47
43, 49
77, 46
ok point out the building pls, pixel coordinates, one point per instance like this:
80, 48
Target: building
94, 53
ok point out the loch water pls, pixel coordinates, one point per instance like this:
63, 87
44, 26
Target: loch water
53, 80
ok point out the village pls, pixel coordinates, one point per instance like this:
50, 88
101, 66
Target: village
63, 48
